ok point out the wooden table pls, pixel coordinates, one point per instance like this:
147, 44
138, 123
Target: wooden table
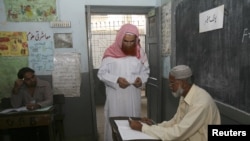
26, 119
115, 132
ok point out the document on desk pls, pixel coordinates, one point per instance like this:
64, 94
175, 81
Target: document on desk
44, 108
129, 134
23, 109
20, 109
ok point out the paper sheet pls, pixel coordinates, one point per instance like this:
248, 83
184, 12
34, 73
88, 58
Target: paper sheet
129, 134
22, 109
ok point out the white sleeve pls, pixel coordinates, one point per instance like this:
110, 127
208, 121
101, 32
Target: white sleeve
144, 73
103, 74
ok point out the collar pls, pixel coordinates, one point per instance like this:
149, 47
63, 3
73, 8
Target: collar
190, 94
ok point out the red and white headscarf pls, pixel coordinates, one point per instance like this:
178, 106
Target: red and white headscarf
115, 49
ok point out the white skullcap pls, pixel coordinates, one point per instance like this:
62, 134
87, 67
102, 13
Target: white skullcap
181, 72
128, 33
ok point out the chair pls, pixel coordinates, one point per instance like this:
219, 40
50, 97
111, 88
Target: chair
5, 103
58, 102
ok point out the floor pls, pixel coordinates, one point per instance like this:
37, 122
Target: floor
100, 116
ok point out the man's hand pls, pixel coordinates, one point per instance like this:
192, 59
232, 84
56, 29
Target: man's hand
147, 121
136, 125
123, 83
32, 106
17, 85
138, 82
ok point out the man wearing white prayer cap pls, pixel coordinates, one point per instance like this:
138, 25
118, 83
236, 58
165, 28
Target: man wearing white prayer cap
181, 71
195, 112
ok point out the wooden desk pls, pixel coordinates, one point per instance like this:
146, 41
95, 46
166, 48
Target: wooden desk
21, 120
115, 132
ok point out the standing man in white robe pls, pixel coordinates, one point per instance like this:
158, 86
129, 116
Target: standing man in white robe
124, 70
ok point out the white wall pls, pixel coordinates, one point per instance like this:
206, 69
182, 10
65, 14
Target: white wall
74, 11
122, 2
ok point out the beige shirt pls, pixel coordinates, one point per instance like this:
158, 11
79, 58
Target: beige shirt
190, 123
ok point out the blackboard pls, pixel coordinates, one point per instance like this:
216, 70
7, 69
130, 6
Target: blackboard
220, 59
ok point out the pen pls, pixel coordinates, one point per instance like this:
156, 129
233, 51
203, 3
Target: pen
153, 121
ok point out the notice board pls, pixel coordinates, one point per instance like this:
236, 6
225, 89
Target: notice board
220, 59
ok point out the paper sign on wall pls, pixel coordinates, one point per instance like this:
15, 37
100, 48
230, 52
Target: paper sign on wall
66, 75
211, 19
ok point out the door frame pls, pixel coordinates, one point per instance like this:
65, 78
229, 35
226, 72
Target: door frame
154, 84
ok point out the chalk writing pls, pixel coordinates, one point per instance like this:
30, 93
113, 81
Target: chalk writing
246, 34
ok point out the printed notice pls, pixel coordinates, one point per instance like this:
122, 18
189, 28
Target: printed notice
66, 75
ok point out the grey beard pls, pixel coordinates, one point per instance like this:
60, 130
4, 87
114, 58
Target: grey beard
178, 93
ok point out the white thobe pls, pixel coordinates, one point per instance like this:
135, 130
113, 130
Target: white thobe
119, 101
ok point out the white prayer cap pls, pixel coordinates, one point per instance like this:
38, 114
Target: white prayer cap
128, 33
181, 72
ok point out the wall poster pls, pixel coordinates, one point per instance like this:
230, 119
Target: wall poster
66, 76
41, 55
30, 10
166, 29
13, 44
63, 40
